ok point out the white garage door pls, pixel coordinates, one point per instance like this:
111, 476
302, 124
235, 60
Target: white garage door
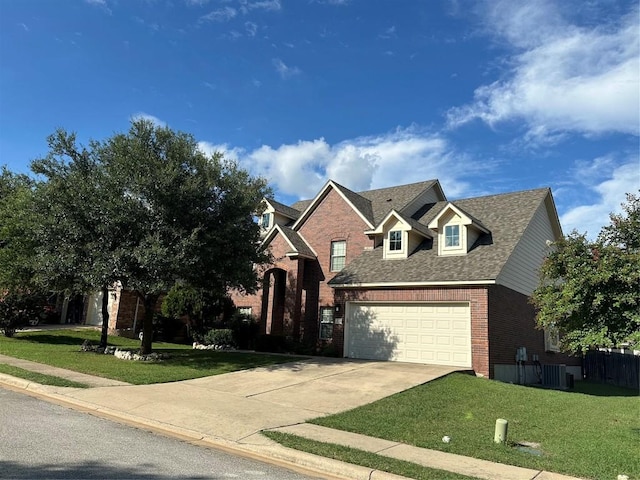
438, 333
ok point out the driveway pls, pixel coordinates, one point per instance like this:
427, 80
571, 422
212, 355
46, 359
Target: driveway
237, 405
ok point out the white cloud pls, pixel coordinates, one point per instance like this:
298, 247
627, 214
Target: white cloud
219, 15
399, 157
24, 26
284, 70
251, 28
565, 77
273, 5
606, 183
150, 118
100, 3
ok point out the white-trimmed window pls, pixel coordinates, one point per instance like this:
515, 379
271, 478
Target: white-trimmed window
265, 220
244, 311
338, 255
326, 323
395, 241
452, 236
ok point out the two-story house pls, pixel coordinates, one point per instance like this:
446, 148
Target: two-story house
402, 274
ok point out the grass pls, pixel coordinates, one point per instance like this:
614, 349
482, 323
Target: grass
40, 378
61, 348
592, 432
360, 457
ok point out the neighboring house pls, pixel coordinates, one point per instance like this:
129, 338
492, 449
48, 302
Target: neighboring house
402, 274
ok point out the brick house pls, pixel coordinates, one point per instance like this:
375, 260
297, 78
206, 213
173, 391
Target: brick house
402, 274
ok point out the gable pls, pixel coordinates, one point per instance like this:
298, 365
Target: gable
521, 271
359, 205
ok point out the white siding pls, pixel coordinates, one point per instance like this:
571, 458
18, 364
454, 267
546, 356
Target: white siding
520, 273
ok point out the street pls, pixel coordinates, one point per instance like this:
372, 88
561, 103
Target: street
42, 440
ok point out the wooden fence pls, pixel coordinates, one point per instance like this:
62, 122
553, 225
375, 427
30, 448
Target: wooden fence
613, 368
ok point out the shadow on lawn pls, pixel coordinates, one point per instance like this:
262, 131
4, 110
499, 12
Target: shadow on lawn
204, 360
52, 339
603, 390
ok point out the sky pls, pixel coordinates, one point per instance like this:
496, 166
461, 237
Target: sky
487, 96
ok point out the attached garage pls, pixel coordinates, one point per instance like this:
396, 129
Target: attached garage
438, 333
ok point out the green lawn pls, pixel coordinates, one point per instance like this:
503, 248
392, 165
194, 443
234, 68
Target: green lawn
40, 378
592, 432
61, 348
366, 459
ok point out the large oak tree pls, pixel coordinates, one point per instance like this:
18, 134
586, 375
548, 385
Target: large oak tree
146, 208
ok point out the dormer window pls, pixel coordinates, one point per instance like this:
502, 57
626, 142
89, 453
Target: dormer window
452, 236
395, 240
265, 220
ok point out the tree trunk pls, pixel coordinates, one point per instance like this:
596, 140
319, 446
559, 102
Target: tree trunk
105, 317
150, 301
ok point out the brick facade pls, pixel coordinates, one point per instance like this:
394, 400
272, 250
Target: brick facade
512, 324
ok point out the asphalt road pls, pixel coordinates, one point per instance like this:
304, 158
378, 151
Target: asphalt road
42, 440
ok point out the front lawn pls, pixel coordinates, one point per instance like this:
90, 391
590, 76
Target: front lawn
61, 348
592, 432
40, 378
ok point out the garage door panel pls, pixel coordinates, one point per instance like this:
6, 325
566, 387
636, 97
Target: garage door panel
421, 333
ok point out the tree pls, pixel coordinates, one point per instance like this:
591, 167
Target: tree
20, 298
154, 210
590, 290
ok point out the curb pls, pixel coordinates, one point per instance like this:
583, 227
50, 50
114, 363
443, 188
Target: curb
274, 454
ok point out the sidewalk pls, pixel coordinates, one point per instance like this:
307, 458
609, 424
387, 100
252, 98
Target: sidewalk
224, 429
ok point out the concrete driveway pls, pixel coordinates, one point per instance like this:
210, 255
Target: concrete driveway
235, 406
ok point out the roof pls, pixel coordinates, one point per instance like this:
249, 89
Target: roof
374, 205
383, 200
290, 212
506, 216
298, 244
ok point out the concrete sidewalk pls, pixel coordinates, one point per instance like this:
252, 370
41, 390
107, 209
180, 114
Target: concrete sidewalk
229, 411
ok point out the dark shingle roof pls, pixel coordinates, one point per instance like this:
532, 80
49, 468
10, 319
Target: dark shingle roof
284, 209
297, 241
361, 203
506, 216
376, 204
383, 200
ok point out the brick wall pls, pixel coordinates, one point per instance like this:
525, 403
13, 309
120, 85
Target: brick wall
333, 219
512, 325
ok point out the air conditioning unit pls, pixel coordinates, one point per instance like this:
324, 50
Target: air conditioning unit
554, 376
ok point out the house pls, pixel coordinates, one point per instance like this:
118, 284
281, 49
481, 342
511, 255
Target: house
403, 274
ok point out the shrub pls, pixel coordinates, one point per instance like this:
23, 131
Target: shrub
16, 309
245, 330
219, 336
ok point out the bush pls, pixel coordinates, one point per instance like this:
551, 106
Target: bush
218, 336
245, 330
16, 309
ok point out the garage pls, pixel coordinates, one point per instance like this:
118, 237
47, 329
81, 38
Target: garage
438, 333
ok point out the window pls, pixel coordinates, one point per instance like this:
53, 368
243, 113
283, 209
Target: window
338, 255
246, 311
265, 220
326, 323
452, 236
395, 240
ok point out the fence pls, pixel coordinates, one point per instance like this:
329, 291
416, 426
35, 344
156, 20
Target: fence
613, 368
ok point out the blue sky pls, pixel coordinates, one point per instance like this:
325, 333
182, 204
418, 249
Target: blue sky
488, 97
